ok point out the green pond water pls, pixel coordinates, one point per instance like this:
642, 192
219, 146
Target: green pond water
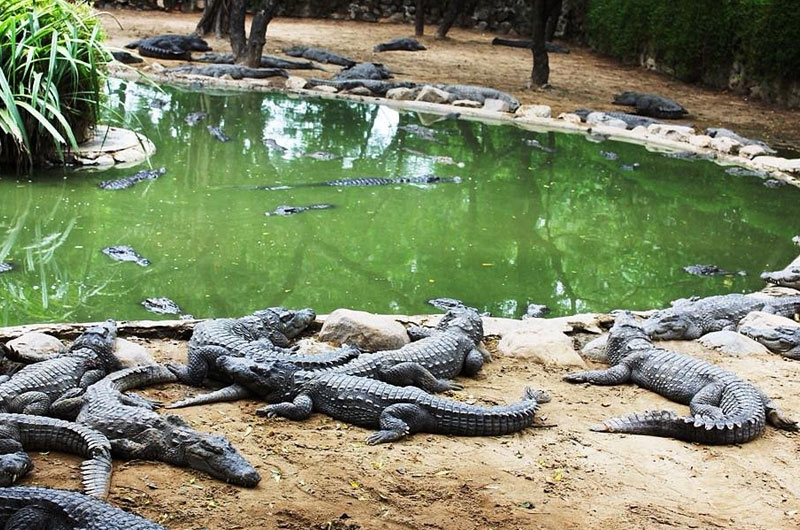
567, 228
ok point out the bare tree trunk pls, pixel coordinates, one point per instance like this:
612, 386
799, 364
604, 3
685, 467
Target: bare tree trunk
238, 36
553, 12
419, 19
541, 65
247, 50
214, 19
451, 12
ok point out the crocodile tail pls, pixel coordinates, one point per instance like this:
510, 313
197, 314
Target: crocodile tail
138, 376
468, 420
229, 393
96, 476
701, 429
162, 53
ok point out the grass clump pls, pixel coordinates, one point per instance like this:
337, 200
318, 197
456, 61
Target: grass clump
52, 66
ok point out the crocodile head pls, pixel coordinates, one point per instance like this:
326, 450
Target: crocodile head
467, 320
14, 462
100, 339
788, 277
777, 339
212, 454
626, 336
289, 322
272, 381
672, 324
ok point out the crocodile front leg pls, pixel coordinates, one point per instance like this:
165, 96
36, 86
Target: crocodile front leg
90, 377
135, 400
616, 375
398, 421
414, 374
775, 416
299, 409
199, 362
68, 406
147, 445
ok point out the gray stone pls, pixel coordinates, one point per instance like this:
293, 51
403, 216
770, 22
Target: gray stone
601, 118
496, 105
359, 91
680, 133
541, 345
596, 349
534, 111
326, 89
365, 330
400, 93
761, 320
431, 94
469, 103
723, 144
36, 344
700, 140
770, 163
569, 117
752, 151
294, 82
731, 343
131, 354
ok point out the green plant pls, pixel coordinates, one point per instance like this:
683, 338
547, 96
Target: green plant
52, 66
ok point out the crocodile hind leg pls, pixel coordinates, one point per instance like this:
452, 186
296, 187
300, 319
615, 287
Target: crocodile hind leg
775, 416
35, 403
414, 374
297, 410
473, 362
616, 375
135, 400
705, 404
398, 421
198, 364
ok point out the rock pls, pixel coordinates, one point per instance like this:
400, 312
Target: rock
640, 131
596, 349
752, 151
36, 344
359, 91
534, 111
129, 156
569, 117
771, 163
731, 343
680, 133
431, 94
400, 94
601, 118
131, 354
761, 320
543, 346
154, 67
294, 82
723, 144
496, 105
326, 89
700, 140
365, 330
468, 103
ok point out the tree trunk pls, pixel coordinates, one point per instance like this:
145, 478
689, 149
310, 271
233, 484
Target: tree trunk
553, 13
237, 30
419, 19
451, 13
541, 66
247, 50
214, 19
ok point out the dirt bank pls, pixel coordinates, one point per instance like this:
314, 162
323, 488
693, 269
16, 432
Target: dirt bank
580, 79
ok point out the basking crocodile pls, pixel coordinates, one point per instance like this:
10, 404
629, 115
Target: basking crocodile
724, 408
364, 71
711, 270
396, 411
125, 57
400, 44
267, 330
781, 339
428, 363
789, 276
22, 431
40, 388
286, 210
631, 120
127, 182
137, 432
267, 61
551, 47
234, 70
650, 104
715, 132
366, 181
319, 55
480, 94
693, 319
125, 253
170, 46
377, 87
26, 508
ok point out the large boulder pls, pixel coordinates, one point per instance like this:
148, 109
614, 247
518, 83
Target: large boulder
732, 343
596, 349
545, 346
131, 354
36, 344
679, 133
432, 94
365, 330
601, 118
534, 111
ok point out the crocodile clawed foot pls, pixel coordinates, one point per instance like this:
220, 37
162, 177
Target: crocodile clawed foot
266, 412
574, 377
452, 385
781, 421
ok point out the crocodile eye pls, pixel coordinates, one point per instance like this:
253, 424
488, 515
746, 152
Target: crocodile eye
211, 448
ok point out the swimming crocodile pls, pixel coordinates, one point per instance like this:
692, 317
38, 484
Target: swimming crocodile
400, 44
693, 319
711, 270
170, 46
5, 266
551, 47
137, 432
319, 55
161, 306
396, 411
365, 181
236, 71
218, 133
267, 61
651, 105
364, 71
125, 253
286, 210
724, 409
26, 508
127, 182
193, 118
20, 432
41, 388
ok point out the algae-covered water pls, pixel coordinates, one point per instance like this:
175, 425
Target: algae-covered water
562, 226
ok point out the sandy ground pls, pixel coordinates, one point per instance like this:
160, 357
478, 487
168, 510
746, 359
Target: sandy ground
319, 474
581, 79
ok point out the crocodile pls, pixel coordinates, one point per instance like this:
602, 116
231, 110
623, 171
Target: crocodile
536, 144
711, 270
321, 155
693, 319
125, 57
236, 71
400, 44
125, 253
170, 46
6, 266
41, 388
428, 363
789, 276
366, 181
193, 118
535, 311
286, 210
267, 330
651, 105
364, 71
267, 61
551, 47
137, 432
480, 94
609, 155
29, 508
127, 182
715, 132
631, 120
724, 409
780, 339
23, 431
217, 132
319, 55
423, 132
375, 86
161, 306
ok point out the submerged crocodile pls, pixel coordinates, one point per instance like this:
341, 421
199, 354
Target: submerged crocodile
711, 270
125, 253
161, 306
267, 330
193, 118
41, 388
267, 61
400, 44
26, 508
396, 411
651, 105
724, 408
20, 432
127, 182
170, 46
137, 432
693, 319
365, 181
236, 71
286, 210
319, 55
